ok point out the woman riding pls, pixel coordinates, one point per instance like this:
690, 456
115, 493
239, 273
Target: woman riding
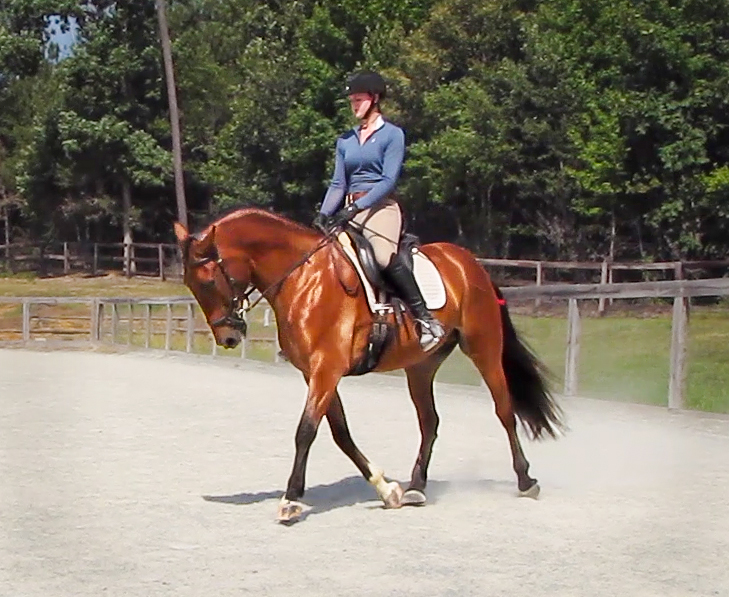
368, 162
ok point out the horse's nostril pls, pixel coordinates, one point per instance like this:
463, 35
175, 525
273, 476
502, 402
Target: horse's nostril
229, 342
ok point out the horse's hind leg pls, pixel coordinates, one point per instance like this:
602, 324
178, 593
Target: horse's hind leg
390, 492
486, 355
420, 383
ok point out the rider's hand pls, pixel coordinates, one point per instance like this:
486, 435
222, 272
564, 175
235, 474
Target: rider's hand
321, 222
344, 216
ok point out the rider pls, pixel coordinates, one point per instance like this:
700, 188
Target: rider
368, 162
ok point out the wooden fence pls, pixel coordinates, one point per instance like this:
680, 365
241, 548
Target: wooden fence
105, 317
161, 259
680, 290
678, 270
149, 259
129, 321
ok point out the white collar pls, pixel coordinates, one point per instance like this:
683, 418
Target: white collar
376, 126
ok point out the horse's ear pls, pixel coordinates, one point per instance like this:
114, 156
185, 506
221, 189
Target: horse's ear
181, 232
206, 244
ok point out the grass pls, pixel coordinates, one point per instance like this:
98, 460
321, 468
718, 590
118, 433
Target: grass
80, 285
627, 358
622, 357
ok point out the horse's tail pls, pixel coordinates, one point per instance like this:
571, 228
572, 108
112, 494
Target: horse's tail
526, 378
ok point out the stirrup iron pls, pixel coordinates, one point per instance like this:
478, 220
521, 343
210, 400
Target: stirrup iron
430, 332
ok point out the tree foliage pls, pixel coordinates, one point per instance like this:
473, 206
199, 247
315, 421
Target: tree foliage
560, 128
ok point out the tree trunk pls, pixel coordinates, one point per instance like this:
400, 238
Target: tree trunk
129, 265
613, 234
174, 113
6, 213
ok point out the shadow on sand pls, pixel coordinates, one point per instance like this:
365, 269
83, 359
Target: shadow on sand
355, 490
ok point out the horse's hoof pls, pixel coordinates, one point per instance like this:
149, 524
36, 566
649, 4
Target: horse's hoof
532, 492
290, 512
393, 498
413, 497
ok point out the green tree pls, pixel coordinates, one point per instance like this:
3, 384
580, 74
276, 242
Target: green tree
102, 144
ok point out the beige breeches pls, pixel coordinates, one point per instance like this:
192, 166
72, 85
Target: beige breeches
381, 225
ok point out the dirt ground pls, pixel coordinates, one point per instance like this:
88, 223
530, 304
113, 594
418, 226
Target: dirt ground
147, 475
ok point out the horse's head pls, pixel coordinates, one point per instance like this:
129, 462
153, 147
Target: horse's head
215, 284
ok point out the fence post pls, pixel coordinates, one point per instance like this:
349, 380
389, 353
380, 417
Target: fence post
127, 259
66, 259
147, 325
243, 339
168, 327
678, 270
677, 380
215, 344
611, 279
95, 263
540, 279
573, 349
26, 320
161, 259
603, 280
190, 328
131, 324
95, 308
277, 348
114, 322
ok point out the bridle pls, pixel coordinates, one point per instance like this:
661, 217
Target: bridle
240, 304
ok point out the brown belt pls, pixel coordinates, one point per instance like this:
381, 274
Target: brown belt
352, 197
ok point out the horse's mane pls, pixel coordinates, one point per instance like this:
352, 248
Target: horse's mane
238, 213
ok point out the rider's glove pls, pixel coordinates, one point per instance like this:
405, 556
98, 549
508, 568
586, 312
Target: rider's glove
321, 222
344, 216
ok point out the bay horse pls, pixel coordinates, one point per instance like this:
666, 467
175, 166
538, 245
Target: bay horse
310, 284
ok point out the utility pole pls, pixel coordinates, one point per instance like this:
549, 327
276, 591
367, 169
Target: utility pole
164, 35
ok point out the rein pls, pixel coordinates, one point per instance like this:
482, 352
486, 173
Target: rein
320, 245
240, 305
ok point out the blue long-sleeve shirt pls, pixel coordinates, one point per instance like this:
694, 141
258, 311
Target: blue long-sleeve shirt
373, 167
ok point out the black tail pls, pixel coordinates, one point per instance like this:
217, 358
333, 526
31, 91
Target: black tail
526, 377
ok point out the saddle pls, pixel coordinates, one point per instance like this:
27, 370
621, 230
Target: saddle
381, 298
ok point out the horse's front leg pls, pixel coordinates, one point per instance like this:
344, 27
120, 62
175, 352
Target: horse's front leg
322, 388
389, 492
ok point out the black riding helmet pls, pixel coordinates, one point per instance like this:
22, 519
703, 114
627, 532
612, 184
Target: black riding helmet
366, 82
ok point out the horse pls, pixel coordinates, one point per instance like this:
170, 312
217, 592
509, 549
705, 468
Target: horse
310, 283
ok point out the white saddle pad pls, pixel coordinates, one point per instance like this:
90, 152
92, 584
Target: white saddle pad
427, 277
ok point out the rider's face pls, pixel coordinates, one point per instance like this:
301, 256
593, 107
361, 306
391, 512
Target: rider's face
361, 103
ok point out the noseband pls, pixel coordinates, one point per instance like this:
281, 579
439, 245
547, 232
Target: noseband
240, 304
238, 307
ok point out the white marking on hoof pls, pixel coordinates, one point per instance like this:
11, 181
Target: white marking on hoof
393, 496
390, 493
414, 497
290, 511
532, 492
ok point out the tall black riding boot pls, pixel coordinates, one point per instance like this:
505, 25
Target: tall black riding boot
401, 277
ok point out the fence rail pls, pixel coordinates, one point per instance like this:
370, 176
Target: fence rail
160, 259
157, 259
105, 319
680, 290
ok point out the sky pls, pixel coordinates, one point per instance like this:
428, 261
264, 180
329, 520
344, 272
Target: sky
65, 40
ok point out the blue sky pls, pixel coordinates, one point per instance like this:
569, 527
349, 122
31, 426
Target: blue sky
65, 40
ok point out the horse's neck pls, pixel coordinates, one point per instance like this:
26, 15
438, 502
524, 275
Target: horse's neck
275, 251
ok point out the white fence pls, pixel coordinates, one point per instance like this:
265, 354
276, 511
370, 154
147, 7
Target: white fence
175, 323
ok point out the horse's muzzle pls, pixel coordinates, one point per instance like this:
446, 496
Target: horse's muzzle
236, 323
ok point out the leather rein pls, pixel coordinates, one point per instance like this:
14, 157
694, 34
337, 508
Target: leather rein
240, 304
